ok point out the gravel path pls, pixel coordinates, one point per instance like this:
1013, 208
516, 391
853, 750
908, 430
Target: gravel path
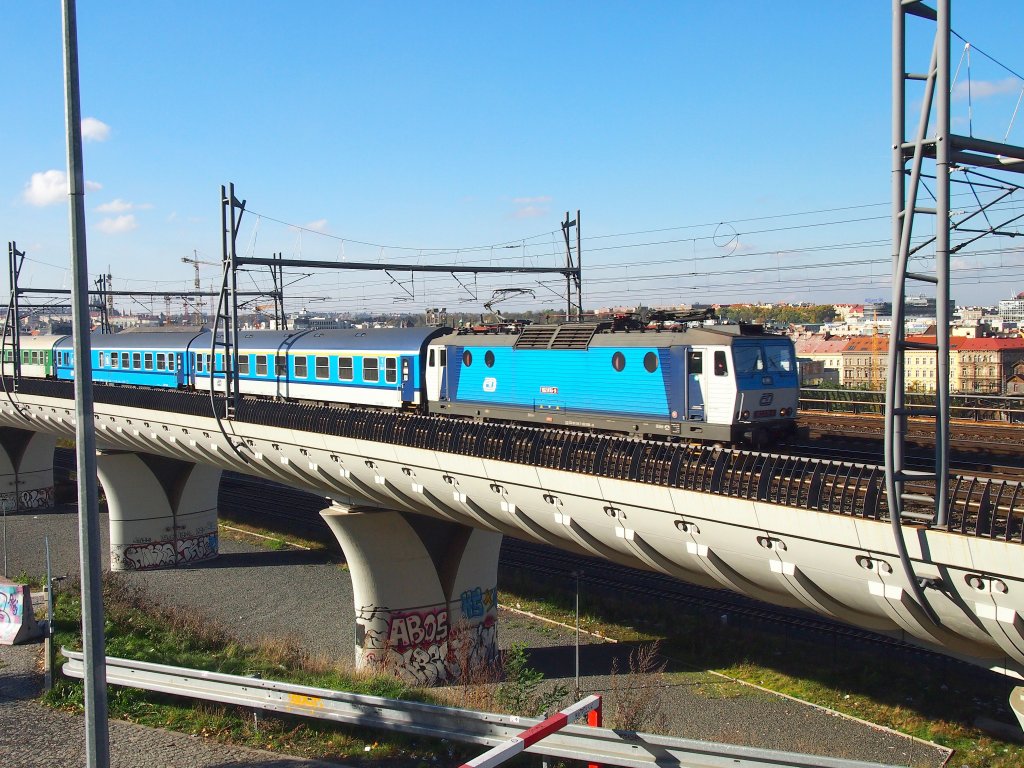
257, 593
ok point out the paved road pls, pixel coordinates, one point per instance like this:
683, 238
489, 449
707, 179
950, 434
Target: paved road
258, 593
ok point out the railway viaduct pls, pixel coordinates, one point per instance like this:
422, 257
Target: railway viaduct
420, 505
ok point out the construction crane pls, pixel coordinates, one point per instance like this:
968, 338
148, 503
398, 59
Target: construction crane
195, 261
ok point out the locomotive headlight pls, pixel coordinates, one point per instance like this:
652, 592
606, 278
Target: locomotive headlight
784, 412
745, 415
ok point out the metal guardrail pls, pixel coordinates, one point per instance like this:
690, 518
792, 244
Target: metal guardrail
574, 742
964, 407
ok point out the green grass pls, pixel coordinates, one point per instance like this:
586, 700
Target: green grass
137, 629
936, 700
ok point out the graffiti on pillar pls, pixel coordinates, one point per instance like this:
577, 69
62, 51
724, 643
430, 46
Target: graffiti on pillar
475, 636
197, 548
11, 606
163, 554
423, 645
411, 644
36, 498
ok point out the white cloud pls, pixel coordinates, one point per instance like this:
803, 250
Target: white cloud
531, 207
46, 188
117, 205
981, 89
320, 225
118, 224
95, 130
114, 206
50, 187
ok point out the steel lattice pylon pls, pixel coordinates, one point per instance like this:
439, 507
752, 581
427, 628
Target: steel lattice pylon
977, 162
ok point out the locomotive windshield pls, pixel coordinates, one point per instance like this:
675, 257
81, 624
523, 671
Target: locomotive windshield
762, 358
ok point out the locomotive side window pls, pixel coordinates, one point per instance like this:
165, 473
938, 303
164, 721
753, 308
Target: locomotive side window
489, 359
301, 367
430, 358
467, 358
618, 361
391, 370
346, 370
371, 369
323, 367
651, 362
444, 357
696, 363
721, 367
261, 365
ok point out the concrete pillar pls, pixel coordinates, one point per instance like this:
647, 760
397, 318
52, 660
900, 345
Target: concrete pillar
162, 512
26, 469
425, 592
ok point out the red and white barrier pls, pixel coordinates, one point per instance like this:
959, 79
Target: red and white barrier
590, 706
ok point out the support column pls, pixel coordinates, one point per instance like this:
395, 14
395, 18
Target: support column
425, 592
26, 469
162, 512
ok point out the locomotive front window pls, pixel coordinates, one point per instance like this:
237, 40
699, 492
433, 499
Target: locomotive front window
779, 358
391, 370
261, 365
301, 367
747, 359
371, 369
323, 367
346, 369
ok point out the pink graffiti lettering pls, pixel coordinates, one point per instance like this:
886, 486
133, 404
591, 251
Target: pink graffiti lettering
412, 630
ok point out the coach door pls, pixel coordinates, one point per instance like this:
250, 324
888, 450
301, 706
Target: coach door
408, 385
695, 386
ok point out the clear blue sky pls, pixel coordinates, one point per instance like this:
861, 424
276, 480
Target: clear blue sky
755, 134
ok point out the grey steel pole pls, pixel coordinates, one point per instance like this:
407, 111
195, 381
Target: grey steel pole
895, 425
235, 395
97, 744
942, 153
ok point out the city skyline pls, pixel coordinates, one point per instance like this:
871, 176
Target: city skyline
717, 155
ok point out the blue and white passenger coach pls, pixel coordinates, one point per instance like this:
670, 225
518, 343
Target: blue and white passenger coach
713, 383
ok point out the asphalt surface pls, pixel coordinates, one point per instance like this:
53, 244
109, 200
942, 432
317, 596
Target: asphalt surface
257, 593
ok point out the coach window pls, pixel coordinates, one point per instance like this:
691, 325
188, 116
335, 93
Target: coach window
390, 370
147, 361
170, 361
346, 370
721, 368
651, 362
114, 359
134, 357
243, 365
161, 361
323, 367
261, 365
197, 363
103, 360
301, 367
281, 365
618, 361
371, 369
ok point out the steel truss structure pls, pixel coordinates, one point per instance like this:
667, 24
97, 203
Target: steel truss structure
931, 152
